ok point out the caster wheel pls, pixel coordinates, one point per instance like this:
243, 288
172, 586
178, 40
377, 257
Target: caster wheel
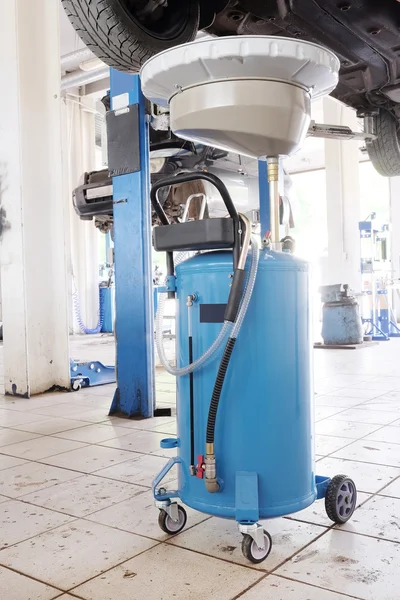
170, 526
252, 552
340, 499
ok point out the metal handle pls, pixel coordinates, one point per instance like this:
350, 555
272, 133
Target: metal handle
188, 203
185, 178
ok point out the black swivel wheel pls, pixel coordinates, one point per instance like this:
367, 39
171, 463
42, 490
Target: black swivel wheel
252, 552
340, 499
168, 525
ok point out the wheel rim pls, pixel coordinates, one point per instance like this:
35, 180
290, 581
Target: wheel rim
174, 526
164, 22
345, 499
259, 553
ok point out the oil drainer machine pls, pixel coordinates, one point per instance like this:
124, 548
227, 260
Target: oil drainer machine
245, 441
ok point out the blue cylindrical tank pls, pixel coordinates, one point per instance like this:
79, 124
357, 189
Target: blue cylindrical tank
265, 417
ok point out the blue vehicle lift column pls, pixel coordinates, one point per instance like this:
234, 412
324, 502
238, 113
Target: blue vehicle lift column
128, 150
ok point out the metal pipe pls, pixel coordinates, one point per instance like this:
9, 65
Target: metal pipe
273, 180
72, 60
246, 241
80, 78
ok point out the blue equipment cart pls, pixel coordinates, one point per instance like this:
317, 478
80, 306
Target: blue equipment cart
245, 444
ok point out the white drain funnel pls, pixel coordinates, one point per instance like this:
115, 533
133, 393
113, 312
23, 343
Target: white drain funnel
244, 94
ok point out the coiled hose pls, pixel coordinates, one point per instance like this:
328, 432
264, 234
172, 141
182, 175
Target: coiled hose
77, 311
227, 328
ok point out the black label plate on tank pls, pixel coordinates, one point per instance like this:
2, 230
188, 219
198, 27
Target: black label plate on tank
212, 313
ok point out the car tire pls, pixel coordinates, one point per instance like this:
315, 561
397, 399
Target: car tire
384, 151
110, 29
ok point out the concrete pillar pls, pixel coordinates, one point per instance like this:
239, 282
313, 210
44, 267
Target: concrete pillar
394, 189
33, 253
79, 143
343, 200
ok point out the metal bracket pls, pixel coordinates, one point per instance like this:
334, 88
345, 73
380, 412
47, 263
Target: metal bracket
171, 508
246, 497
90, 373
256, 531
170, 285
321, 483
161, 494
338, 132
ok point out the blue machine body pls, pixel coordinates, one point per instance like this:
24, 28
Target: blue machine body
264, 440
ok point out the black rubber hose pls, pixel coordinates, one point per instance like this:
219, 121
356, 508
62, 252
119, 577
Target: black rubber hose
232, 308
219, 382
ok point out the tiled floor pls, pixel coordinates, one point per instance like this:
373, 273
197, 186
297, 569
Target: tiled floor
77, 518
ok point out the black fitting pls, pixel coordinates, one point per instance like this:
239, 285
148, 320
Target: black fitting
219, 382
235, 295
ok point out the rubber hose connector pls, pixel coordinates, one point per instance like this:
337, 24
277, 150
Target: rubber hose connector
219, 382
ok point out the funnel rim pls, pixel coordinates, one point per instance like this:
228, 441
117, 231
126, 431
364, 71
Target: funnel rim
246, 57
243, 38
305, 89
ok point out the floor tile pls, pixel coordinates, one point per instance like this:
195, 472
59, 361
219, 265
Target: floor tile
13, 436
392, 490
89, 458
360, 415
29, 477
71, 554
365, 393
41, 447
140, 470
325, 444
352, 564
379, 453
10, 418
167, 428
7, 462
382, 386
29, 404
147, 424
379, 517
49, 426
222, 539
147, 442
389, 434
94, 433
338, 401
20, 521
17, 587
368, 478
380, 404
65, 409
96, 415
277, 588
84, 495
166, 573
323, 412
346, 429
139, 515
316, 513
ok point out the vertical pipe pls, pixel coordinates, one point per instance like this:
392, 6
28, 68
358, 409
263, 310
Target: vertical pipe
273, 180
263, 187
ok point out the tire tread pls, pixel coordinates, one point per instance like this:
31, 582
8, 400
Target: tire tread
100, 27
